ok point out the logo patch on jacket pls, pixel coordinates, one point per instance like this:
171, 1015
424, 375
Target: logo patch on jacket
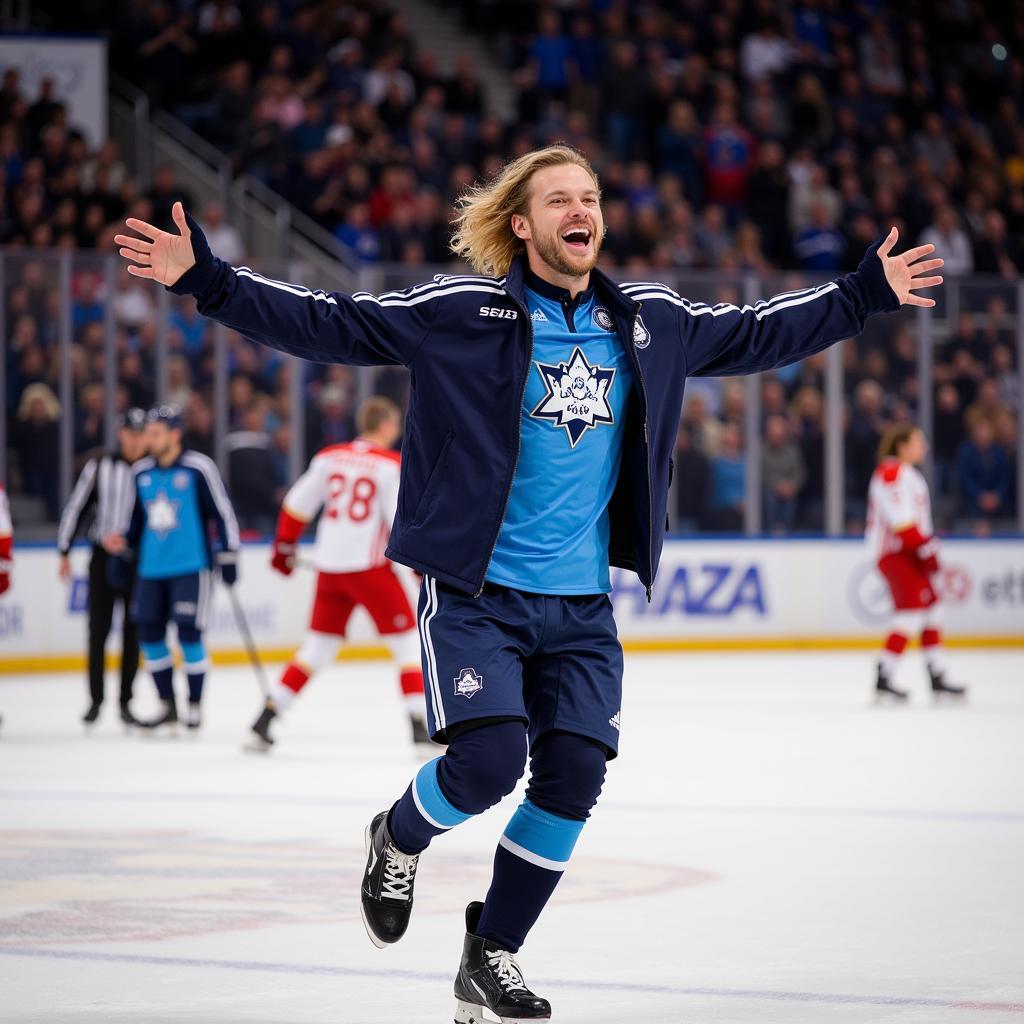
641, 336
577, 395
468, 682
501, 314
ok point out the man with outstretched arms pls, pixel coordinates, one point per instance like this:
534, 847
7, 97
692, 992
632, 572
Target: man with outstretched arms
543, 412
356, 486
179, 495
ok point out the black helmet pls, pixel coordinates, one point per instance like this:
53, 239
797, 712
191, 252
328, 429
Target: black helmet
132, 419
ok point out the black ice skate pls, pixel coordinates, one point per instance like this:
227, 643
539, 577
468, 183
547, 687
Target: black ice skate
885, 692
89, 718
386, 897
261, 740
194, 718
489, 978
419, 730
166, 721
943, 690
128, 720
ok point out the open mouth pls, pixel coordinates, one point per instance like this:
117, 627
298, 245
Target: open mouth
577, 238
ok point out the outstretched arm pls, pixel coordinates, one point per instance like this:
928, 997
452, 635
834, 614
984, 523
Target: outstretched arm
328, 327
726, 339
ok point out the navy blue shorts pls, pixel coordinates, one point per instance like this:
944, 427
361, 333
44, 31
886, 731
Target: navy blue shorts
553, 662
184, 600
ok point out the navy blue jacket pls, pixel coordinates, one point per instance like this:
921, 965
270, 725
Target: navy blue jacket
468, 340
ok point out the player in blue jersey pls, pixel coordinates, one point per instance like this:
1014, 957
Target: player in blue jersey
179, 497
544, 408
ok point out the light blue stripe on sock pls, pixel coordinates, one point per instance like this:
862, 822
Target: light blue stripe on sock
545, 835
431, 802
155, 651
193, 652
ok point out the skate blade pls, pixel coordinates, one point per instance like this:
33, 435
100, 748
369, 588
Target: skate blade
161, 732
892, 699
257, 745
949, 698
474, 1013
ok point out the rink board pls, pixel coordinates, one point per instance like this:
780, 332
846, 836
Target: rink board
710, 595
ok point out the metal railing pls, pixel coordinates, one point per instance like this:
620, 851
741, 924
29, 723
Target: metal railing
269, 226
75, 324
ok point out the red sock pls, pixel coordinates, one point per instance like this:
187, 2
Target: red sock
412, 681
896, 643
930, 638
295, 676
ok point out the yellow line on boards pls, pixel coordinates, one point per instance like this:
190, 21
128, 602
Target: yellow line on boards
14, 664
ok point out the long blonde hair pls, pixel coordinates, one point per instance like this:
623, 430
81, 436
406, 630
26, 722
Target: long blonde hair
483, 226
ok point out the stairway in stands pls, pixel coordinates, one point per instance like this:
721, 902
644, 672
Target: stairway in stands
436, 27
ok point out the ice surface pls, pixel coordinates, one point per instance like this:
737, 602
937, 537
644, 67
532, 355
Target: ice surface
769, 847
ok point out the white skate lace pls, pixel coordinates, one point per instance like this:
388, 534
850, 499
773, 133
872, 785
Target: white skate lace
506, 970
399, 869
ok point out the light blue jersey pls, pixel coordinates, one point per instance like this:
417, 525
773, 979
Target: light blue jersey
174, 509
554, 538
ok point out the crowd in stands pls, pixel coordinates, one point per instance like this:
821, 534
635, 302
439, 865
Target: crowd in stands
739, 136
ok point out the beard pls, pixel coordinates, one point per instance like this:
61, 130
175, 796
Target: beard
549, 249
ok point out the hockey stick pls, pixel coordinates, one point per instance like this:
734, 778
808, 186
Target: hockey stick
250, 647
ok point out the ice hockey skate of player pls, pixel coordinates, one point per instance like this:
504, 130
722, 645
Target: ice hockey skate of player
902, 541
515, 499
356, 485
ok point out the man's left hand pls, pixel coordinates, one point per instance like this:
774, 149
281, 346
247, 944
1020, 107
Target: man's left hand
904, 272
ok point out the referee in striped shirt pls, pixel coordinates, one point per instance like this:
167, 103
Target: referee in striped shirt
104, 496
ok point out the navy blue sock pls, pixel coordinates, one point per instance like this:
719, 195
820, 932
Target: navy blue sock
532, 855
161, 665
423, 812
195, 668
567, 775
480, 767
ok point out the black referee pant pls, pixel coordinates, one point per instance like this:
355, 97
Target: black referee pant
102, 598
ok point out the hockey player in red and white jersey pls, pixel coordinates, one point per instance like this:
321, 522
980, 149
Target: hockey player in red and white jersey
6, 542
902, 541
356, 485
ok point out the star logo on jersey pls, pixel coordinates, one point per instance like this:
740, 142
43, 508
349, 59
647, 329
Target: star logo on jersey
468, 682
162, 514
577, 396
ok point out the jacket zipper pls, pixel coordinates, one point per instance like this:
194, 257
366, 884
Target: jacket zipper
519, 443
647, 458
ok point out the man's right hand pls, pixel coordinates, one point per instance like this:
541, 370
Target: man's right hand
64, 568
162, 256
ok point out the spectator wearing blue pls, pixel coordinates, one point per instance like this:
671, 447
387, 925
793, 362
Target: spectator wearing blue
357, 235
728, 482
679, 149
551, 53
820, 245
983, 473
